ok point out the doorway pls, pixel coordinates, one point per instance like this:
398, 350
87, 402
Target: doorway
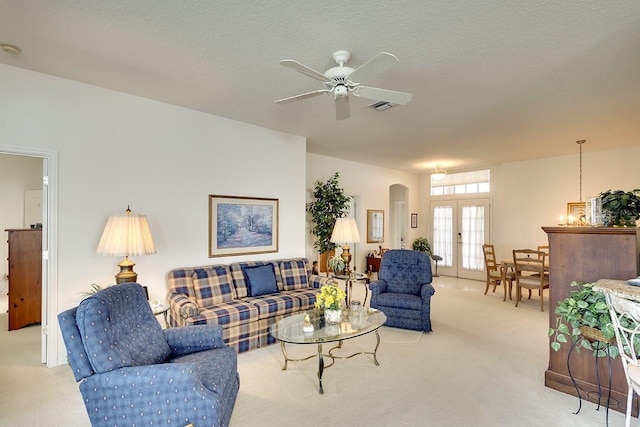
459, 229
49, 347
398, 195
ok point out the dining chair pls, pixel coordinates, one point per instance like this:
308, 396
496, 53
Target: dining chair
530, 273
496, 273
625, 316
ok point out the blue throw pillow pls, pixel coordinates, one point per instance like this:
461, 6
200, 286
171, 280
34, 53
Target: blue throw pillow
261, 280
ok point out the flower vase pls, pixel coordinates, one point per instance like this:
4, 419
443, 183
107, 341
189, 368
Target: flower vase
332, 316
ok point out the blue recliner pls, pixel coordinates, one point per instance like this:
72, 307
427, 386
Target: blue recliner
403, 289
133, 373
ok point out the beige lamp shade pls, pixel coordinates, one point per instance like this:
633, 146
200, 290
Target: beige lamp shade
345, 231
125, 235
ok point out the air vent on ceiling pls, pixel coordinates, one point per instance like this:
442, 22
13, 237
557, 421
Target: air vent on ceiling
382, 105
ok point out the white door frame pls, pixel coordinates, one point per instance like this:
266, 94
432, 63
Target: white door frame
456, 269
49, 341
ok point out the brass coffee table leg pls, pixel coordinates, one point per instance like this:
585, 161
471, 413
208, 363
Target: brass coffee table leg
375, 350
286, 358
320, 368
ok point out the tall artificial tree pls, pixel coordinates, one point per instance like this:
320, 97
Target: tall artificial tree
330, 203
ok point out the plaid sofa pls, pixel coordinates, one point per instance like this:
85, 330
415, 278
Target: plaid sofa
233, 297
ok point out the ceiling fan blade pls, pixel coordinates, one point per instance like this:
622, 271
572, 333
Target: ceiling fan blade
379, 63
296, 66
378, 94
302, 96
342, 108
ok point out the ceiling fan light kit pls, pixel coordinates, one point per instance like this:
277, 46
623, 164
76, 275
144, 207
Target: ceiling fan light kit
343, 81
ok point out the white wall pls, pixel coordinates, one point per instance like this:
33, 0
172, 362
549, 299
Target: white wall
535, 193
529, 195
370, 184
117, 150
17, 174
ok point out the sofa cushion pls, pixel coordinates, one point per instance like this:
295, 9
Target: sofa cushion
275, 304
212, 286
227, 314
261, 280
294, 274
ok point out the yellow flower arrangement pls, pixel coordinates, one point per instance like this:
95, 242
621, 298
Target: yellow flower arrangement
330, 297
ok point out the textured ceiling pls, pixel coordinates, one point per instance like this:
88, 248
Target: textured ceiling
492, 81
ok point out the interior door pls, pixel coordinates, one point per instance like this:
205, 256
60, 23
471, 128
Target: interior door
459, 229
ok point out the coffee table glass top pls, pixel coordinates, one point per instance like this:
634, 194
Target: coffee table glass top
290, 330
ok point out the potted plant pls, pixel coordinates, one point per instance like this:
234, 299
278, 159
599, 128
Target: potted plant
422, 244
336, 264
330, 203
583, 316
623, 207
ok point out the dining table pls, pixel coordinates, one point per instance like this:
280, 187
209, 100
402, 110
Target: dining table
509, 264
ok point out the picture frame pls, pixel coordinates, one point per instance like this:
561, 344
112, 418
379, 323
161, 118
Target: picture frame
375, 226
577, 211
414, 220
242, 225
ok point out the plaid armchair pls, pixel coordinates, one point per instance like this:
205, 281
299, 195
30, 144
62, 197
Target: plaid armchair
403, 290
133, 373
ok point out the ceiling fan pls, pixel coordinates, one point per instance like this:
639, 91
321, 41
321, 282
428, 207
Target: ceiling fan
342, 81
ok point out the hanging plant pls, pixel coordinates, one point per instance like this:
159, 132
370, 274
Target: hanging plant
330, 203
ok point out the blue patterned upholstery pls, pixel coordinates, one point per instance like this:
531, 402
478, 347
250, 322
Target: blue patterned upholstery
133, 373
403, 290
201, 296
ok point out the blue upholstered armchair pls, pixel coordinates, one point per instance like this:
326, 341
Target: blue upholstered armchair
133, 373
403, 289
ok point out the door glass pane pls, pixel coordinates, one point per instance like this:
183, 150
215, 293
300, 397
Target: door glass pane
443, 234
472, 237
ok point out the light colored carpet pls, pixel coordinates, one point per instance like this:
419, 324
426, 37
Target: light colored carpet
482, 366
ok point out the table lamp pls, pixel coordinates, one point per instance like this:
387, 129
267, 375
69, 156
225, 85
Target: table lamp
126, 235
345, 231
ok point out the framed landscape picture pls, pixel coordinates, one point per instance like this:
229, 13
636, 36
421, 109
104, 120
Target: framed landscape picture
242, 225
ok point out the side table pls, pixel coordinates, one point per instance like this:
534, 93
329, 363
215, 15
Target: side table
359, 277
159, 309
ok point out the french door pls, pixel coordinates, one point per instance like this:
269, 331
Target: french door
459, 229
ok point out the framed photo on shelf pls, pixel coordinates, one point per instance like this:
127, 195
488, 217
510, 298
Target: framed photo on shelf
577, 211
242, 225
414, 220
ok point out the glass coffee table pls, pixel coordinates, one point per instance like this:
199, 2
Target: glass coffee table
290, 330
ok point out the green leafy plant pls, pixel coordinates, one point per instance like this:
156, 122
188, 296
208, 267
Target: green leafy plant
330, 203
422, 244
336, 263
623, 207
93, 289
584, 307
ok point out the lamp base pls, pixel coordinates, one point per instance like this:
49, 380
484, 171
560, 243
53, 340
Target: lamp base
126, 274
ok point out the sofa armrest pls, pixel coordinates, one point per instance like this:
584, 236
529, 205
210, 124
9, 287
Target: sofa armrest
317, 281
191, 339
377, 287
426, 291
183, 306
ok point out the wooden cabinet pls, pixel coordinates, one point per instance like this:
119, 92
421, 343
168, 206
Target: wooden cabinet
373, 264
25, 277
587, 254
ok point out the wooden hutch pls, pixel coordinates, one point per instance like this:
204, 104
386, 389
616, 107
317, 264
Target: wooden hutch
25, 277
587, 254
